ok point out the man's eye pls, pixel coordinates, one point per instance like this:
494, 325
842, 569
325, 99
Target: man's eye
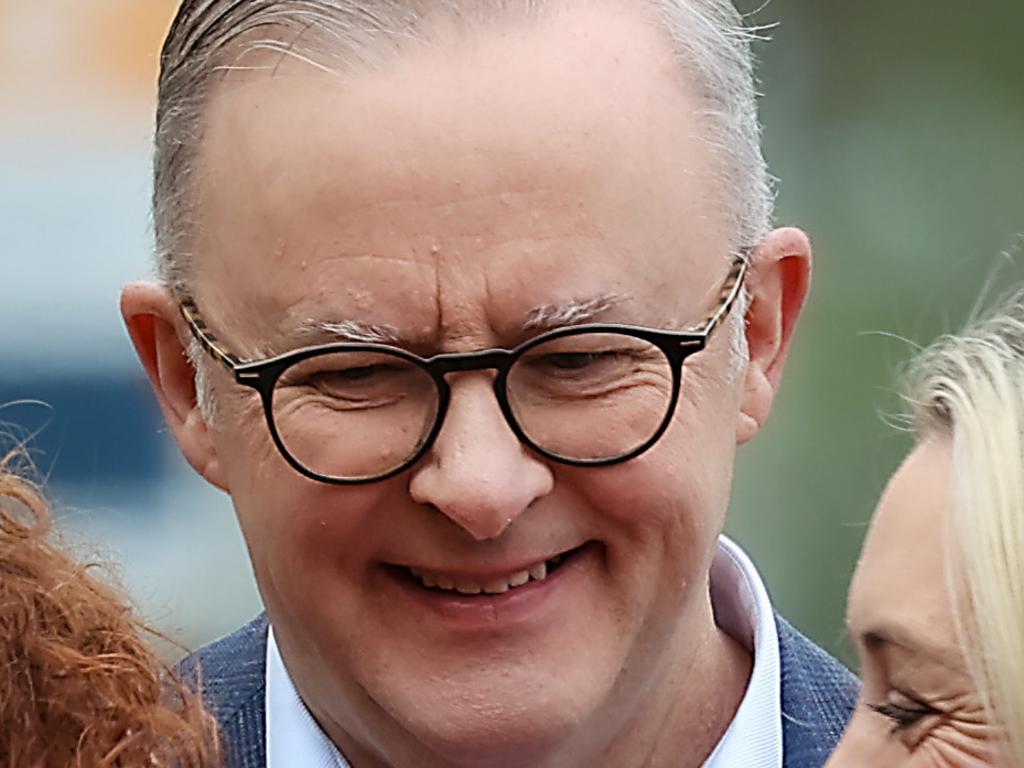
354, 374
574, 361
904, 714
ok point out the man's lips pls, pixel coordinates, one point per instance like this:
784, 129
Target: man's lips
494, 580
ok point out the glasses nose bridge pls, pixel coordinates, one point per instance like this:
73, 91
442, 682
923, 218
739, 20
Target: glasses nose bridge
499, 360
465, 362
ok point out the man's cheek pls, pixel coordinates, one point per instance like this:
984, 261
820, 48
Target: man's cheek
642, 498
244, 446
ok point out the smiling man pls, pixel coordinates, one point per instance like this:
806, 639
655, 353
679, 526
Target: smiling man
467, 305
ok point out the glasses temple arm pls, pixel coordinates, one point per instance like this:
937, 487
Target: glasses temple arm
732, 288
206, 339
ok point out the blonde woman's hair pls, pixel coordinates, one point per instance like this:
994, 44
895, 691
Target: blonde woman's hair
971, 387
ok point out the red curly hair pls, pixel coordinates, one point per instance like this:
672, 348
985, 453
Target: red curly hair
79, 685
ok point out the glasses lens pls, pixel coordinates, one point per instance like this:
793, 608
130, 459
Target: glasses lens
354, 415
591, 396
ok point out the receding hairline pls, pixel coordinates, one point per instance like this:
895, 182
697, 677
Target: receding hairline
447, 22
319, 43
268, 50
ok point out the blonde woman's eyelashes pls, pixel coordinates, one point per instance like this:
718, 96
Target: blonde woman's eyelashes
904, 710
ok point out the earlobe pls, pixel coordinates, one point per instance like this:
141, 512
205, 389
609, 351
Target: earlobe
150, 315
757, 400
779, 280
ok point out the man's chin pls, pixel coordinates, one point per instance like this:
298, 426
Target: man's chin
494, 731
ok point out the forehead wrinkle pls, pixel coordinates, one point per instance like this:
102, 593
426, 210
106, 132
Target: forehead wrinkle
574, 312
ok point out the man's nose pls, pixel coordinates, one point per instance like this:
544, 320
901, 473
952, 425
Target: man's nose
477, 473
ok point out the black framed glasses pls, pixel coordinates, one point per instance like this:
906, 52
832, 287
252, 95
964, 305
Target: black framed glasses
586, 395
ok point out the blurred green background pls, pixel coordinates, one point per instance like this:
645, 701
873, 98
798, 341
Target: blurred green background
897, 132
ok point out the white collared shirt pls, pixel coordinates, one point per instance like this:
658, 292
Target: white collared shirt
744, 612
742, 609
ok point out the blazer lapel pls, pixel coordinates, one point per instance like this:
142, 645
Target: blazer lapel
818, 697
231, 672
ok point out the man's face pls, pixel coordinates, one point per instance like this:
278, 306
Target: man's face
451, 196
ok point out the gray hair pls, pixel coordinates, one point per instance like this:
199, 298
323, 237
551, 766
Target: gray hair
207, 36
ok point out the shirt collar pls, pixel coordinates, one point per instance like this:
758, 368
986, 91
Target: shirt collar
294, 739
742, 609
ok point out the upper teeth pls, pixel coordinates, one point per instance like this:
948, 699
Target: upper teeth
496, 586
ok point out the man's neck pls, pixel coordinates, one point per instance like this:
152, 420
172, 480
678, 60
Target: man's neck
675, 720
696, 727
698, 703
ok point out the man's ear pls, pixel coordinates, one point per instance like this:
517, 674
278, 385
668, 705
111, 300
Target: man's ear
151, 315
780, 275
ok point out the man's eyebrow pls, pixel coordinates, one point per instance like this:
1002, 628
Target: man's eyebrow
547, 317
311, 332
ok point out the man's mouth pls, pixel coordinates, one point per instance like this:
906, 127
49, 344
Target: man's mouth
493, 585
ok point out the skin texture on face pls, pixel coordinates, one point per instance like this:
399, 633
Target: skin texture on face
451, 198
901, 616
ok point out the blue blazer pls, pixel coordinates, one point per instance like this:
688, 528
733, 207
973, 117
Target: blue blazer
818, 695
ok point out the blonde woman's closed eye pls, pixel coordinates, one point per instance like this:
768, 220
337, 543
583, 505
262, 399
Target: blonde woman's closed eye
911, 718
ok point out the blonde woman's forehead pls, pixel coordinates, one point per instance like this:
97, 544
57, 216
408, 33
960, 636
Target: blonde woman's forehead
900, 591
